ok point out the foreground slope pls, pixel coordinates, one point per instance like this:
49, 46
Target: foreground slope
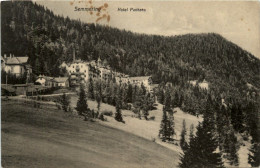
44, 137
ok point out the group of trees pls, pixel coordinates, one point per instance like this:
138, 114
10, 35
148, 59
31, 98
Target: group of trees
201, 151
187, 97
218, 132
131, 97
12, 78
233, 115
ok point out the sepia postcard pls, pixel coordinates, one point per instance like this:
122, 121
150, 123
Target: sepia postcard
130, 84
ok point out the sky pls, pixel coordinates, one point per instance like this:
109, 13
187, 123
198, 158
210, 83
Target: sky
237, 21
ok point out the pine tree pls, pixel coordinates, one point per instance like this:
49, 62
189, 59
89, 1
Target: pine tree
161, 95
202, 148
183, 142
82, 106
176, 100
167, 101
169, 110
118, 115
171, 126
237, 117
91, 89
124, 95
98, 95
201, 152
147, 105
37, 66
163, 132
139, 101
191, 136
145, 108
129, 93
65, 102
233, 156
254, 155
181, 100
226, 136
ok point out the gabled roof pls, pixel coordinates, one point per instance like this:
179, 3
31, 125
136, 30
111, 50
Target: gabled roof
16, 60
45, 77
60, 79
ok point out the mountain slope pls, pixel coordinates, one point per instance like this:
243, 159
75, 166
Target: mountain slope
34, 137
30, 29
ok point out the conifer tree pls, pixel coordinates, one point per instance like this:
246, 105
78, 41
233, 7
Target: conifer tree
237, 117
124, 95
202, 148
233, 156
254, 155
163, 132
82, 106
91, 89
167, 101
98, 96
226, 136
181, 100
253, 120
134, 93
139, 102
191, 136
145, 108
129, 93
171, 126
118, 115
183, 142
176, 101
37, 66
168, 108
161, 95
65, 102
201, 152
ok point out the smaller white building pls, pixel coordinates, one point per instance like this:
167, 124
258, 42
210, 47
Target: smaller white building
41, 79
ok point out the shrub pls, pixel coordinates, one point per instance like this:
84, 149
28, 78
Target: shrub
107, 113
152, 118
101, 117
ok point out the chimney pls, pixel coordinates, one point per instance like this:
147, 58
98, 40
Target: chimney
73, 54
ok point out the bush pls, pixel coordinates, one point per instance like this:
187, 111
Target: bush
152, 118
136, 110
102, 118
107, 113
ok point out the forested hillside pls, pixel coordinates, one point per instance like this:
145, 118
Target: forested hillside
30, 29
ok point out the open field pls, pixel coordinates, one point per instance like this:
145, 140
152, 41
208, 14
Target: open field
146, 129
34, 137
149, 129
